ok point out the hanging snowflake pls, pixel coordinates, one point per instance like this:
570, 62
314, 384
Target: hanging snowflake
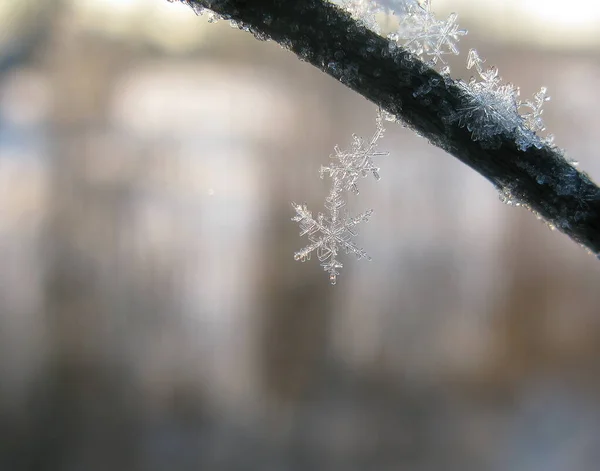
350, 165
329, 235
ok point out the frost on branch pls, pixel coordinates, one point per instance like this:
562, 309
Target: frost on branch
199, 10
348, 166
533, 118
364, 11
492, 108
424, 35
332, 233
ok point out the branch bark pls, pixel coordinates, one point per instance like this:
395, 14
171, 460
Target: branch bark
328, 38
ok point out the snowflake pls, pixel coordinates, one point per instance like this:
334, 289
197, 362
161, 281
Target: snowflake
492, 107
329, 234
351, 165
422, 34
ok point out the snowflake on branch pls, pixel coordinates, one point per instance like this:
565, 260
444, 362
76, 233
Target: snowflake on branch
424, 35
333, 233
533, 119
492, 107
349, 166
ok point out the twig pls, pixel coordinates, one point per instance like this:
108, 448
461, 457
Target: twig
327, 37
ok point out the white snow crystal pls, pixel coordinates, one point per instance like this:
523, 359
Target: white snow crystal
349, 166
331, 234
533, 118
492, 107
424, 35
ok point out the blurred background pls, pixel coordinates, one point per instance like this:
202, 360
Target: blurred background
152, 316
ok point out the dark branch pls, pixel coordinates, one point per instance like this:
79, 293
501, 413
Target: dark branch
327, 37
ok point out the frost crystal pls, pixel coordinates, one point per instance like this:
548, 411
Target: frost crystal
492, 107
397, 7
533, 118
424, 35
198, 9
331, 234
349, 166
364, 11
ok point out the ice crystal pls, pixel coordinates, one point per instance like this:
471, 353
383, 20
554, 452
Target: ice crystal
213, 17
350, 165
533, 118
424, 35
197, 8
331, 234
389, 116
364, 11
397, 7
491, 107
507, 196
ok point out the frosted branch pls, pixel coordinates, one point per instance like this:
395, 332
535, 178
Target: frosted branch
327, 37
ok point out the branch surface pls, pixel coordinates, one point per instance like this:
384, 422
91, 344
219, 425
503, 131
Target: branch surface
327, 37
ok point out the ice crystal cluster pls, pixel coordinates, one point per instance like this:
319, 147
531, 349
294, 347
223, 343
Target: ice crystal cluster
332, 233
491, 107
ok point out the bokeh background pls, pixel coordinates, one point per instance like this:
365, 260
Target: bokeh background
152, 316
